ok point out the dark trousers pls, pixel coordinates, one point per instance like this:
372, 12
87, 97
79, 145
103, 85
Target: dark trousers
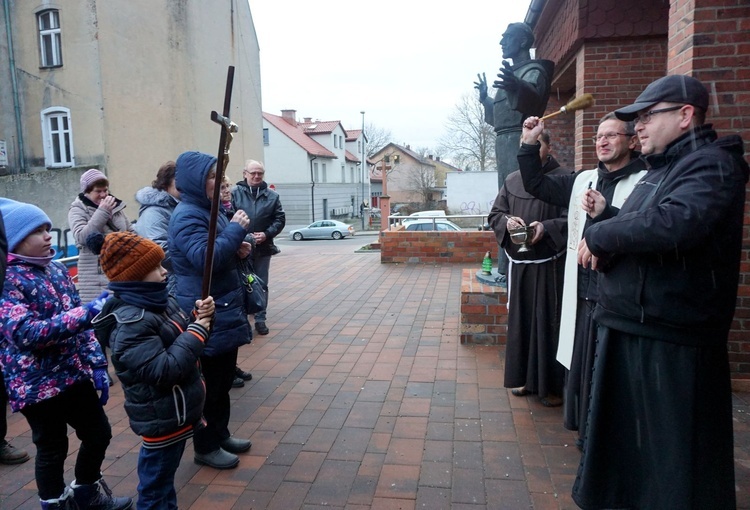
218, 371
79, 407
262, 267
156, 470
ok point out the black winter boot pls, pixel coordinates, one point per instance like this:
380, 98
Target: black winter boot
64, 502
98, 496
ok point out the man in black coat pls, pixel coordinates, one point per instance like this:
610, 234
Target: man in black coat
267, 220
660, 421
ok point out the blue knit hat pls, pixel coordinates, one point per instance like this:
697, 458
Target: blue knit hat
21, 219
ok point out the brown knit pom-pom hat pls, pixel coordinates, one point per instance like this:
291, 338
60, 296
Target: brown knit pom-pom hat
125, 256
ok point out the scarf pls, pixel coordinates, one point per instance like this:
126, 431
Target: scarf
37, 261
151, 296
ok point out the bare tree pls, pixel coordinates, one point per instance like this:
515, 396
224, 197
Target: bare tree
420, 180
469, 140
426, 152
377, 138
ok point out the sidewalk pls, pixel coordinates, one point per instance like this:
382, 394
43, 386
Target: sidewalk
362, 398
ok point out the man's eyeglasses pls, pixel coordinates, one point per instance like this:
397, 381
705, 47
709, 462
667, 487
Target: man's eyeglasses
609, 136
254, 173
645, 118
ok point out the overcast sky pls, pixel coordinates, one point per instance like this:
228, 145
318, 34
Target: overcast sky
406, 63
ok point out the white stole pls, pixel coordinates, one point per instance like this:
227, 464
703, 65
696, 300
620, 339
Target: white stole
576, 221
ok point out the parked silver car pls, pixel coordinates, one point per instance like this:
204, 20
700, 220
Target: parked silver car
438, 224
324, 229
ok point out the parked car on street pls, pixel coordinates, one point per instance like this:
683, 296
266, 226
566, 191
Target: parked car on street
422, 215
324, 229
438, 224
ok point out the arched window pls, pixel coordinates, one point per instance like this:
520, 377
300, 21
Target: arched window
57, 136
50, 47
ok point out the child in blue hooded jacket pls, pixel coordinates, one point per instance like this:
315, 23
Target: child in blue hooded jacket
195, 178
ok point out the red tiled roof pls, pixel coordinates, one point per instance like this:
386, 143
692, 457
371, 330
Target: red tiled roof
319, 127
352, 134
351, 157
298, 136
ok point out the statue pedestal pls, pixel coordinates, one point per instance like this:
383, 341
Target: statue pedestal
484, 314
494, 279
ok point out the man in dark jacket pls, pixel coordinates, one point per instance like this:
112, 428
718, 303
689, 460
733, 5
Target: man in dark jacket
660, 421
267, 220
188, 239
613, 179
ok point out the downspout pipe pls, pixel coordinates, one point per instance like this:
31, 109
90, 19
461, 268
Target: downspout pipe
312, 186
14, 85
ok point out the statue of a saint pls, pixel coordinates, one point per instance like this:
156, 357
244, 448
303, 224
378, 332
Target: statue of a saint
522, 91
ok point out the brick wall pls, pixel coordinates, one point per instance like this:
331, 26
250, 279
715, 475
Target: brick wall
615, 72
416, 247
562, 130
708, 39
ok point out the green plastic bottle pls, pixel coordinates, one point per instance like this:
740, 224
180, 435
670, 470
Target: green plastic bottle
487, 264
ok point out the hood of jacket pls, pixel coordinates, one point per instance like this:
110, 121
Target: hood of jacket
149, 196
190, 177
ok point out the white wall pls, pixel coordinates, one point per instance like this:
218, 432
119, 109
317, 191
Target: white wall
285, 161
471, 192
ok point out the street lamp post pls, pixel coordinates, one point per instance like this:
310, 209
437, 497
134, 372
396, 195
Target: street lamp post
363, 171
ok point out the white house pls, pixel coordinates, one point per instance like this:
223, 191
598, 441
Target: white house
312, 167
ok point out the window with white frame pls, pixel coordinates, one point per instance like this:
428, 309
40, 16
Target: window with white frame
49, 38
335, 142
265, 136
343, 172
57, 137
323, 176
315, 173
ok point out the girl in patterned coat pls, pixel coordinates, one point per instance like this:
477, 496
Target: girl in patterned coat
52, 364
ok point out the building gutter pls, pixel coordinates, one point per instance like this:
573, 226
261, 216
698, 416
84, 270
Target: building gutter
312, 187
14, 85
532, 14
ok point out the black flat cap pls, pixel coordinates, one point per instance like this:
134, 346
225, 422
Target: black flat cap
671, 89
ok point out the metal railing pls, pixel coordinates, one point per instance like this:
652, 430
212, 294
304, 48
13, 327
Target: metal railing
465, 221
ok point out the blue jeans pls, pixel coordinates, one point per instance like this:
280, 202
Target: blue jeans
156, 470
262, 267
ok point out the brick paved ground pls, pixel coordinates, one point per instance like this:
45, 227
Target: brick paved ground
363, 398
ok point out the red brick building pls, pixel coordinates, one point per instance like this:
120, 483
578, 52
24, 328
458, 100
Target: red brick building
614, 48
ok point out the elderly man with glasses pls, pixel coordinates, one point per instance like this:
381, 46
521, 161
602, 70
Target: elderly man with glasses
659, 431
603, 189
267, 220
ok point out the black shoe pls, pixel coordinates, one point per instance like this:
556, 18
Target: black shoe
217, 459
238, 382
245, 376
234, 445
261, 328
